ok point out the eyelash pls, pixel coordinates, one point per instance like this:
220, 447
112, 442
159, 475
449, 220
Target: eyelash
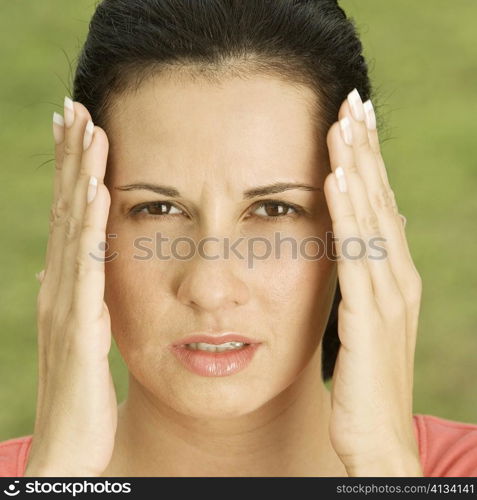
136, 211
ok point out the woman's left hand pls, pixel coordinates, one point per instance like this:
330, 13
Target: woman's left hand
371, 427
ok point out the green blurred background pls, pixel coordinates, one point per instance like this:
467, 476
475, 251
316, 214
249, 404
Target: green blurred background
423, 61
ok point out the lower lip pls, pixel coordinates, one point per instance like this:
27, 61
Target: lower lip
215, 364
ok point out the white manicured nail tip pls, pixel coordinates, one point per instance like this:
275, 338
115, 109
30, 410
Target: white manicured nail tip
340, 177
92, 188
58, 128
88, 135
345, 125
69, 112
58, 119
370, 115
69, 103
356, 105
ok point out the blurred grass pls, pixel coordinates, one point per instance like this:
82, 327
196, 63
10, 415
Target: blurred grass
423, 61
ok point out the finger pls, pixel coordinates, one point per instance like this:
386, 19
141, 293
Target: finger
93, 162
365, 144
88, 290
59, 137
59, 131
73, 146
353, 273
380, 192
67, 169
373, 138
382, 200
385, 288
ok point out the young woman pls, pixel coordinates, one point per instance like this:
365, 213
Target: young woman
217, 145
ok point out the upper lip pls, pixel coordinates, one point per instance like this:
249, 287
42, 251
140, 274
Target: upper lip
216, 339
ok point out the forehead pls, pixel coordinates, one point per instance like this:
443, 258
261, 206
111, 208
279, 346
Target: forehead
259, 124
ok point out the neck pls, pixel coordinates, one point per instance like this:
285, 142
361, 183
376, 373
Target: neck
288, 436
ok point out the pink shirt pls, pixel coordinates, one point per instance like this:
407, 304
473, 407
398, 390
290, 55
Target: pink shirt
447, 448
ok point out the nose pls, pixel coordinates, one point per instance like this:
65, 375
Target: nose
211, 285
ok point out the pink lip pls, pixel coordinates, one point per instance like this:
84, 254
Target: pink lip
215, 364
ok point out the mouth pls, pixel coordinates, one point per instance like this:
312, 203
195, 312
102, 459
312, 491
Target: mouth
226, 346
209, 342
215, 356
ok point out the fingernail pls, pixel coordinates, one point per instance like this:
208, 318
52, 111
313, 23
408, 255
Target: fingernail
40, 275
345, 125
88, 135
404, 220
356, 105
69, 112
92, 188
340, 177
58, 128
369, 115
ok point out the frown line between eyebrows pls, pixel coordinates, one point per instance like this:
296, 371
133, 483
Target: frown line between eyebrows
277, 187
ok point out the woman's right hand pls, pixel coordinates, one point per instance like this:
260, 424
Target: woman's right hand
76, 414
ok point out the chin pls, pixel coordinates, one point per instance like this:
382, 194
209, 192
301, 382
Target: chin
217, 401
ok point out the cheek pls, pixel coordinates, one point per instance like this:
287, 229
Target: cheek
298, 282
299, 295
134, 287
297, 301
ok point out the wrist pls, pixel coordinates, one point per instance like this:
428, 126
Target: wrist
34, 469
402, 464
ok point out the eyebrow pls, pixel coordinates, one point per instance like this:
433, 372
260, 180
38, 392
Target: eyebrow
277, 187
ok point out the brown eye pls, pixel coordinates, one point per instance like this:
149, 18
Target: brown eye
156, 209
275, 210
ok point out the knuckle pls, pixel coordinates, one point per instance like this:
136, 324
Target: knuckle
352, 169
52, 216
72, 227
83, 173
70, 149
81, 268
381, 200
58, 211
369, 223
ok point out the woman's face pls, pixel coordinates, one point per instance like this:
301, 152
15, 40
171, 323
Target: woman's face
213, 143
